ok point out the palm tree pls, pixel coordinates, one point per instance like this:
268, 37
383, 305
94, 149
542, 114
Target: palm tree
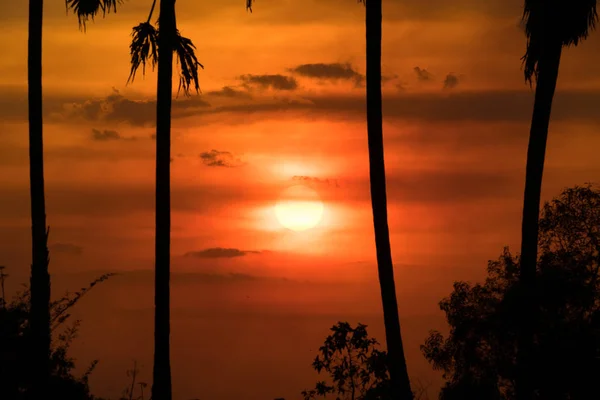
396, 363
549, 26
40, 277
157, 46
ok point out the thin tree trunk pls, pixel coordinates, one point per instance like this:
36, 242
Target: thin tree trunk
161, 384
40, 278
396, 361
536, 153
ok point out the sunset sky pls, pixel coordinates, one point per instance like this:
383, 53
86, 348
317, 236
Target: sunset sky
282, 104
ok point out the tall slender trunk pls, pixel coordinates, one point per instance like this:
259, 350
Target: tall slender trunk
40, 278
397, 363
536, 153
161, 385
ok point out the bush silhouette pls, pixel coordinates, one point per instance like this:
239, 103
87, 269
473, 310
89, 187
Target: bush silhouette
15, 348
478, 358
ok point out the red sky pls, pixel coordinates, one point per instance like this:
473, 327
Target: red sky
282, 97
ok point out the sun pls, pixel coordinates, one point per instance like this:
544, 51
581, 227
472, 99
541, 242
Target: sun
299, 208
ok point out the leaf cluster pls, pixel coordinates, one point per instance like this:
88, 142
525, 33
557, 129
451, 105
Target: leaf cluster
554, 23
86, 10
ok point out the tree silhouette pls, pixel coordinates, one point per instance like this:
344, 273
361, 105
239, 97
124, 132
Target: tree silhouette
549, 25
16, 337
40, 277
397, 363
357, 369
479, 357
156, 46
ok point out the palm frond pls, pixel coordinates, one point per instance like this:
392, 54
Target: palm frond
143, 48
555, 22
88, 9
188, 64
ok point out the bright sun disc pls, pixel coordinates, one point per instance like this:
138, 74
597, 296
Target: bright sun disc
299, 208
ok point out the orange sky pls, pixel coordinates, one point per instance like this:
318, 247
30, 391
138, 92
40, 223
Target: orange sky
282, 97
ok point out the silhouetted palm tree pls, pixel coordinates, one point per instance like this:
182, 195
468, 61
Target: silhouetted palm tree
157, 46
396, 361
40, 278
549, 26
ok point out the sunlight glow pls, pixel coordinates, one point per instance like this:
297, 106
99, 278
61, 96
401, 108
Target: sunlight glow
299, 208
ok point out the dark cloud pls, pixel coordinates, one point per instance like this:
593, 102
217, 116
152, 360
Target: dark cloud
423, 75
482, 106
66, 248
105, 135
332, 72
216, 158
451, 81
445, 106
228, 91
219, 252
276, 82
387, 78
116, 108
312, 179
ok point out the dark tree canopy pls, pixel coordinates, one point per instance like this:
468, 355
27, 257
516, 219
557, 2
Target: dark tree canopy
357, 369
478, 358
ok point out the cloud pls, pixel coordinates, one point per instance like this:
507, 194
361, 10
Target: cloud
275, 82
219, 252
105, 135
331, 72
445, 106
423, 75
465, 106
66, 248
312, 179
216, 158
451, 81
228, 91
116, 108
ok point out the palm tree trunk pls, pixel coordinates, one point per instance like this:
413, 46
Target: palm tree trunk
40, 279
161, 384
396, 361
536, 153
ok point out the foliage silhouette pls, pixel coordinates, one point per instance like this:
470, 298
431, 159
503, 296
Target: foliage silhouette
549, 25
88, 9
400, 382
144, 49
16, 383
357, 369
479, 357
